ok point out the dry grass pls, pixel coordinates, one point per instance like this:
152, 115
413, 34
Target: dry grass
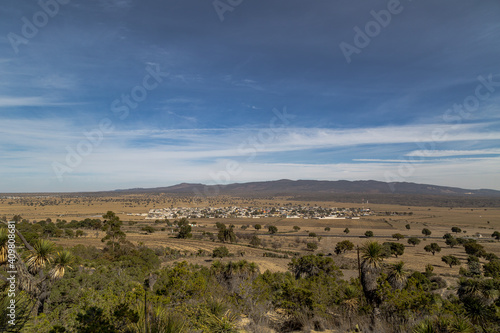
438, 219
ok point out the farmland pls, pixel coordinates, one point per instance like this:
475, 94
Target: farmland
274, 234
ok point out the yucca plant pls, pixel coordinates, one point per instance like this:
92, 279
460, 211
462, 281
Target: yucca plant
397, 275
40, 256
62, 261
372, 255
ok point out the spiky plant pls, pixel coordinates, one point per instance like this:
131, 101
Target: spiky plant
372, 255
397, 275
40, 256
460, 325
62, 261
425, 326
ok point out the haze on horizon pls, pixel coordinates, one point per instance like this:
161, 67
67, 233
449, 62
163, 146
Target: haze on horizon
108, 94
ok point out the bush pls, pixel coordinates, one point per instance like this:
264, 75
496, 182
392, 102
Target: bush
220, 252
369, 233
312, 246
272, 229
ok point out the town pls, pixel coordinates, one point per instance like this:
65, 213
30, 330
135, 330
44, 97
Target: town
287, 211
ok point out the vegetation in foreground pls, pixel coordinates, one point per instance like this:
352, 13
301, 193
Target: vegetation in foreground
123, 288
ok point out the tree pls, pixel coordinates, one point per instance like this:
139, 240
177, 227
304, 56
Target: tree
413, 241
112, 227
496, 235
327, 229
184, 229
396, 249
426, 232
451, 260
343, 247
408, 227
492, 269
257, 227
312, 234
474, 249
456, 230
398, 236
272, 229
451, 242
226, 234
370, 269
296, 228
149, 229
369, 233
346, 231
433, 247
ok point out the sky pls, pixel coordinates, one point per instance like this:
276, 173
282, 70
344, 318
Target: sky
115, 94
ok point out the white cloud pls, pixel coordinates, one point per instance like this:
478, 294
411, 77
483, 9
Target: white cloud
443, 153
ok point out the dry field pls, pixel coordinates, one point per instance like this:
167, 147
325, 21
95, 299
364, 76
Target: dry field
438, 219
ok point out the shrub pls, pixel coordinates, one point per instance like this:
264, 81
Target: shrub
220, 252
312, 246
369, 233
272, 229
426, 232
398, 236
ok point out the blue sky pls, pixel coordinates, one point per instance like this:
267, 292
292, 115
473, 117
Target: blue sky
107, 94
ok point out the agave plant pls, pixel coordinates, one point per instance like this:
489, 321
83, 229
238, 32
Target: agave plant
62, 261
40, 256
425, 326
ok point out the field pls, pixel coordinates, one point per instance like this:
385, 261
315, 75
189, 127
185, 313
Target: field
388, 220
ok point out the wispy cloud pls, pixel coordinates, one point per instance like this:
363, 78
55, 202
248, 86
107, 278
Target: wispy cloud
442, 153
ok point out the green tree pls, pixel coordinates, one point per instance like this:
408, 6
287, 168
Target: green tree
327, 229
346, 231
257, 227
433, 247
456, 230
496, 235
398, 236
396, 249
112, 227
369, 233
312, 234
451, 242
474, 249
296, 228
313, 265
226, 234
408, 227
184, 229
426, 232
344, 246
272, 229
451, 260
413, 241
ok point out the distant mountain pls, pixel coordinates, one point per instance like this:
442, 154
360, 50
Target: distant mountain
286, 187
